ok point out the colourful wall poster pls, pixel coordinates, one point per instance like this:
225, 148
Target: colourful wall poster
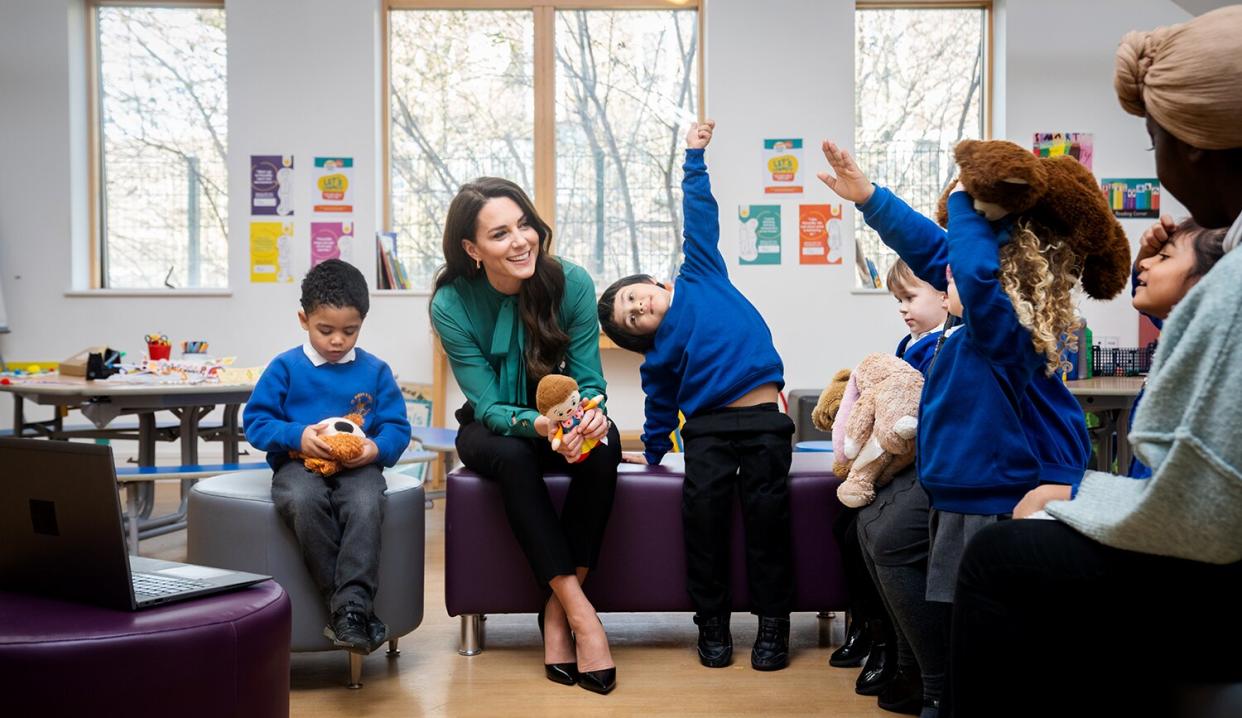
271, 249
759, 236
271, 185
1132, 198
819, 234
334, 178
332, 240
782, 166
1078, 145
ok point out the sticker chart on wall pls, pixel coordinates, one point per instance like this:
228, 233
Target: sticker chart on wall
271, 185
759, 234
819, 234
1133, 198
1079, 145
271, 249
782, 166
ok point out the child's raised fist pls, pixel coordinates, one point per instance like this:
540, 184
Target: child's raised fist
700, 134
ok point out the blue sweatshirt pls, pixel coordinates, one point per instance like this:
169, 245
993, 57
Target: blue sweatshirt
712, 346
991, 390
293, 393
919, 354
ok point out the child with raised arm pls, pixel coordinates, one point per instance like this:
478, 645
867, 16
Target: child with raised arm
709, 353
995, 419
335, 518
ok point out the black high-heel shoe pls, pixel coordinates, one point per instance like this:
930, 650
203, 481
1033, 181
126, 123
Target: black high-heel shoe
564, 673
601, 681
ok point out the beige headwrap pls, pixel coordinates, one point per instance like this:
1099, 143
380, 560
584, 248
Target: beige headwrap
1188, 78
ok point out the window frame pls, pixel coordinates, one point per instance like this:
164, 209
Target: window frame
544, 75
94, 140
987, 86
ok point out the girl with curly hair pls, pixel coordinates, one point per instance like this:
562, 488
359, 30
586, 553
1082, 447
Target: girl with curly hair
995, 418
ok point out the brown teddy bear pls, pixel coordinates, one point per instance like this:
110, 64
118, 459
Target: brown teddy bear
830, 401
345, 439
874, 429
1058, 198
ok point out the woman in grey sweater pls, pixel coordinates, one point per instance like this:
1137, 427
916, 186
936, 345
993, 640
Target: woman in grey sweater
1050, 615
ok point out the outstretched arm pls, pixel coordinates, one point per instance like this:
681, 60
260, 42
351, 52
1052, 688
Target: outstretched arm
919, 241
700, 214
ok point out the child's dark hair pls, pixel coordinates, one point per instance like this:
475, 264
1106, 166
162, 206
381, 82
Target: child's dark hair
1208, 245
335, 283
640, 343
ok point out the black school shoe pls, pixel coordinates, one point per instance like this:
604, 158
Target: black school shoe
377, 631
348, 629
879, 670
903, 695
715, 641
855, 648
771, 651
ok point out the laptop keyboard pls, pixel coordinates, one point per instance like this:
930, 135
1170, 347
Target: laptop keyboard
149, 584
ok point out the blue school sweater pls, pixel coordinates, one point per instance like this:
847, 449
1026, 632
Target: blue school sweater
293, 393
712, 346
919, 354
1027, 427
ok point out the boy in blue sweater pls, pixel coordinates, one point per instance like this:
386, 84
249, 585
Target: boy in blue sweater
336, 518
709, 353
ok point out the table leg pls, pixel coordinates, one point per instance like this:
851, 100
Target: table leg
131, 498
1123, 442
146, 457
231, 434
19, 415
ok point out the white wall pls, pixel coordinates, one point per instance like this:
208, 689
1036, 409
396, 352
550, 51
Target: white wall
779, 68
1059, 77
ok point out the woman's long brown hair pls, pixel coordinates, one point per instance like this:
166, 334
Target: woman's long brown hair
539, 299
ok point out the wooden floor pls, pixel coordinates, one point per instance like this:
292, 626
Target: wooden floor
658, 673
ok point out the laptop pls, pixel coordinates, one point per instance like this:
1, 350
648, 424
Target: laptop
61, 533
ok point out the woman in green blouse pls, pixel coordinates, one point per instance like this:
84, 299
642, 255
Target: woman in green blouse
508, 314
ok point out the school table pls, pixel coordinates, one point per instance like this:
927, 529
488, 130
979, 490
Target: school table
188, 402
1110, 398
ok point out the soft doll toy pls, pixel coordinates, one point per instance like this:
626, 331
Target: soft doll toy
873, 432
557, 398
345, 439
1057, 198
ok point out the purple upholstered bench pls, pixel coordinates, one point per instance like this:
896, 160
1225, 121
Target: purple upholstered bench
642, 564
224, 655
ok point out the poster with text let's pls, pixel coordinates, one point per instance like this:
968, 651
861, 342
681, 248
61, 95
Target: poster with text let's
819, 234
332, 240
782, 166
271, 185
759, 234
271, 249
333, 178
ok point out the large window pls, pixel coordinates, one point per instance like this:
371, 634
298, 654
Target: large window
161, 142
919, 89
585, 108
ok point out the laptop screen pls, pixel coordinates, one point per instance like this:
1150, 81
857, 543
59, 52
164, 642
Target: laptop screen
60, 523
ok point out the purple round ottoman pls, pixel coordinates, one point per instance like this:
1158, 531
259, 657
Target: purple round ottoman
223, 655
